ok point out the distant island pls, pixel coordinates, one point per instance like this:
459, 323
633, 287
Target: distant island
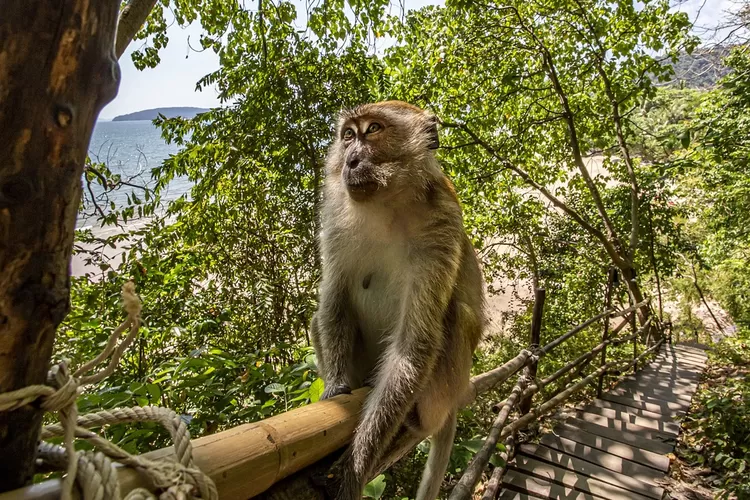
150, 114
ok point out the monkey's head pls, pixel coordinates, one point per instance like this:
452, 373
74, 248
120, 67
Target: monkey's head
382, 148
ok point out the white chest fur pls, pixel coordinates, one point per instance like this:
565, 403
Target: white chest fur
377, 272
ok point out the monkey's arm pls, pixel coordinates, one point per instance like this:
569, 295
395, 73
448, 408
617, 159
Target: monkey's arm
332, 330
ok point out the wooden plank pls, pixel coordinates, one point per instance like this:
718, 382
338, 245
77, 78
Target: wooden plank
585, 468
682, 351
621, 425
659, 424
690, 350
535, 467
689, 356
635, 391
682, 376
623, 433
665, 361
660, 384
639, 396
513, 495
653, 405
682, 362
680, 380
662, 394
640, 412
640, 464
536, 487
670, 364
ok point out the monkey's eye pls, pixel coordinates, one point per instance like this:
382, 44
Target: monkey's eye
374, 127
348, 134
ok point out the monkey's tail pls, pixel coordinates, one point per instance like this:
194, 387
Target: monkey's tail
441, 445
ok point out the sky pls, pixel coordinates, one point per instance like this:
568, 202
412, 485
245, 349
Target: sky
172, 82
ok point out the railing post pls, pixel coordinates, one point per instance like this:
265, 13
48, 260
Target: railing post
536, 332
634, 329
611, 276
668, 328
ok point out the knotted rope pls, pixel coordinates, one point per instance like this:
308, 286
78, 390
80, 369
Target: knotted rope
93, 470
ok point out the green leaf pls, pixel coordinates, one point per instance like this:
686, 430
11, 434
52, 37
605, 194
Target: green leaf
375, 488
274, 388
316, 389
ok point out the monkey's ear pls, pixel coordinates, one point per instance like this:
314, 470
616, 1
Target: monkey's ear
432, 133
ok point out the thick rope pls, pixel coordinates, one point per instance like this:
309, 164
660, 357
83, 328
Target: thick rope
93, 471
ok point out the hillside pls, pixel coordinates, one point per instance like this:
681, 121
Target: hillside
701, 69
150, 114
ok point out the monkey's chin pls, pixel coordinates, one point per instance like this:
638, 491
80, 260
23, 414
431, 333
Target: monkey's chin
362, 191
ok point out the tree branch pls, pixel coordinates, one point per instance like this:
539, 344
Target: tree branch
573, 134
131, 19
617, 119
557, 202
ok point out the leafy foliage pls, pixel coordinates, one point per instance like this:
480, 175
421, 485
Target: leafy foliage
719, 427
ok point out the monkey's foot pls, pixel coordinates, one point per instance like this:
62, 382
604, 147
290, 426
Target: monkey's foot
335, 390
341, 482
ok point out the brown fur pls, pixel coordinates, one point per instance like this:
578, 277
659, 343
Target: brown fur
391, 220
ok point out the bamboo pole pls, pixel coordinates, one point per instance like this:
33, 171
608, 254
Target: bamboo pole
612, 313
496, 480
473, 473
605, 334
245, 461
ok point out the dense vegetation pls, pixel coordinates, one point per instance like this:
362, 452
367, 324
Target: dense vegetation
567, 156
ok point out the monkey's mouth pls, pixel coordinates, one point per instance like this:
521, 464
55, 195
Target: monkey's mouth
360, 183
361, 190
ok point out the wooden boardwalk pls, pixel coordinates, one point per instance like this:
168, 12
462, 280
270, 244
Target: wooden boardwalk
615, 447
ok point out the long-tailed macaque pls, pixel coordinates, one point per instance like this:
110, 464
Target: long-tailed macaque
401, 297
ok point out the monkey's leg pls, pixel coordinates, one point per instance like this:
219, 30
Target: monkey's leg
400, 378
441, 445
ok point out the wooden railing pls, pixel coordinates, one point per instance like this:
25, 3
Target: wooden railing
277, 458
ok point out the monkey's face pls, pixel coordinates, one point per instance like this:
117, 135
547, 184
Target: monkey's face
380, 147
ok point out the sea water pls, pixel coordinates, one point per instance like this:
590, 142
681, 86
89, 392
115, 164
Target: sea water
131, 149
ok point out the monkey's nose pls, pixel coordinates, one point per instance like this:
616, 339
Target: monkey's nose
352, 162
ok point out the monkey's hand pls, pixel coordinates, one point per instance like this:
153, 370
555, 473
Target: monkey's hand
335, 390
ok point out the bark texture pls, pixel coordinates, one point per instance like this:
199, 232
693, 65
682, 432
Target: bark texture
57, 70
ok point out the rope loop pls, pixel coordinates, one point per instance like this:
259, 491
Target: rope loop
93, 471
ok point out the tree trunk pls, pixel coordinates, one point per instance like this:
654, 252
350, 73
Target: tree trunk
628, 274
57, 70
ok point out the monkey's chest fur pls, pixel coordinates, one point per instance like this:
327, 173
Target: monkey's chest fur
376, 288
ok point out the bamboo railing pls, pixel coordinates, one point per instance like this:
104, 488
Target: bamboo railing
279, 457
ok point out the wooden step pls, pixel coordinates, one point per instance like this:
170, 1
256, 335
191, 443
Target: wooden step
660, 394
622, 432
659, 423
516, 480
640, 412
652, 405
561, 475
586, 468
643, 465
